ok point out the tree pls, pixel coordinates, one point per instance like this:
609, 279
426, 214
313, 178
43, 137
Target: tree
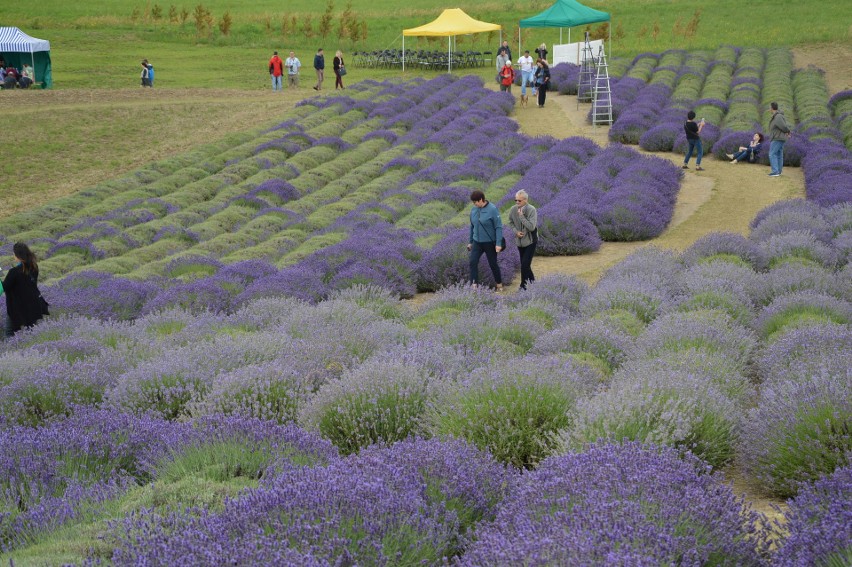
225, 23
325, 20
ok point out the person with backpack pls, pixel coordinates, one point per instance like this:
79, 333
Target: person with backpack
276, 71
507, 77
24, 304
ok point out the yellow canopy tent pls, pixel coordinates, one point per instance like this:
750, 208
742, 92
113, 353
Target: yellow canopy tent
451, 22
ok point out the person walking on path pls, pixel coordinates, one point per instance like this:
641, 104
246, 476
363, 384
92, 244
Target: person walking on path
486, 237
507, 77
504, 49
779, 133
319, 67
146, 81
526, 64
24, 304
339, 70
276, 71
523, 218
542, 81
693, 139
293, 65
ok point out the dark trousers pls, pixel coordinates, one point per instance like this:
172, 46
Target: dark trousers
338, 80
477, 249
527, 253
542, 94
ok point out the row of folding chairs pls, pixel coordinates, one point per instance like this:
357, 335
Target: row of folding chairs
423, 59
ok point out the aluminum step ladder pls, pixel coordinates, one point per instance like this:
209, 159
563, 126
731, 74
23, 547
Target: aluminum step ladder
588, 65
602, 93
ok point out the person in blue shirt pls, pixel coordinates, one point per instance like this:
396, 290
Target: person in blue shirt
486, 237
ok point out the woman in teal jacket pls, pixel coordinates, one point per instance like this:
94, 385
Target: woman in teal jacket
486, 237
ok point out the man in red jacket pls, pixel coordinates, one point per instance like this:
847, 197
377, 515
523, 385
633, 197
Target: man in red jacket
276, 70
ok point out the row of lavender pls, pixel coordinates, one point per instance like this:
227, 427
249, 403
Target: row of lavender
368, 188
666, 350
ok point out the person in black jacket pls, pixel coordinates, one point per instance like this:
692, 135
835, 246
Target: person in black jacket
319, 66
24, 306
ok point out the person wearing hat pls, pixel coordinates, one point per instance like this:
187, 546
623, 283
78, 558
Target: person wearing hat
507, 77
276, 71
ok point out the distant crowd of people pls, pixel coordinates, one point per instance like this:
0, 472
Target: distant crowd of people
534, 72
13, 78
293, 66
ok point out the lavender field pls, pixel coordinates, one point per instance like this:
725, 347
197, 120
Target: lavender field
232, 374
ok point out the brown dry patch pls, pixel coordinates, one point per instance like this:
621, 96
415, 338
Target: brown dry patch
833, 58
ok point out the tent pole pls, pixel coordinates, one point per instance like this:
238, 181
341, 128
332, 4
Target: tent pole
610, 38
560, 35
403, 54
449, 55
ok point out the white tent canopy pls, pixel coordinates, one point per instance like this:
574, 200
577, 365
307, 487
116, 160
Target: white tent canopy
13, 39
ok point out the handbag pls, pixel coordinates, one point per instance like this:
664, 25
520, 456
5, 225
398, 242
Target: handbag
342, 70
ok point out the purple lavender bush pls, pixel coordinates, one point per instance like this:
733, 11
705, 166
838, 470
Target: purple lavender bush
379, 402
513, 410
446, 263
819, 523
800, 309
587, 342
562, 232
621, 505
799, 431
331, 515
676, 408
804, 351
727, 246
711, 331
98, 295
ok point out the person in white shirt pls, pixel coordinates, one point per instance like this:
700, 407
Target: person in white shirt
293, 65
526, 64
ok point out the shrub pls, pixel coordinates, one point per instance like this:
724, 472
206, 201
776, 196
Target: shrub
724, 246
799, 431
514, 411
620, 505
375, 403
676, 408
591, 342
818, 523
710, 331
639, 295
562, 232
801, 309
803, 351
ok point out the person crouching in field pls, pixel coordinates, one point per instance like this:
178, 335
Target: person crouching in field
24, 304
486, 237
748, 153
523, 218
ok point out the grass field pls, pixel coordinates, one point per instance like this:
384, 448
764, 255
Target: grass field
100, 43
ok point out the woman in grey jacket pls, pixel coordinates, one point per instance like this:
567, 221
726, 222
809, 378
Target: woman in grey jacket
486, 237
523, 218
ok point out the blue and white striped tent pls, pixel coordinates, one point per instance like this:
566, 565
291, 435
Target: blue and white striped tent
18, 48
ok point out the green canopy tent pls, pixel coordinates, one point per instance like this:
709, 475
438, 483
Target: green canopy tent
565, 14
18, 48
